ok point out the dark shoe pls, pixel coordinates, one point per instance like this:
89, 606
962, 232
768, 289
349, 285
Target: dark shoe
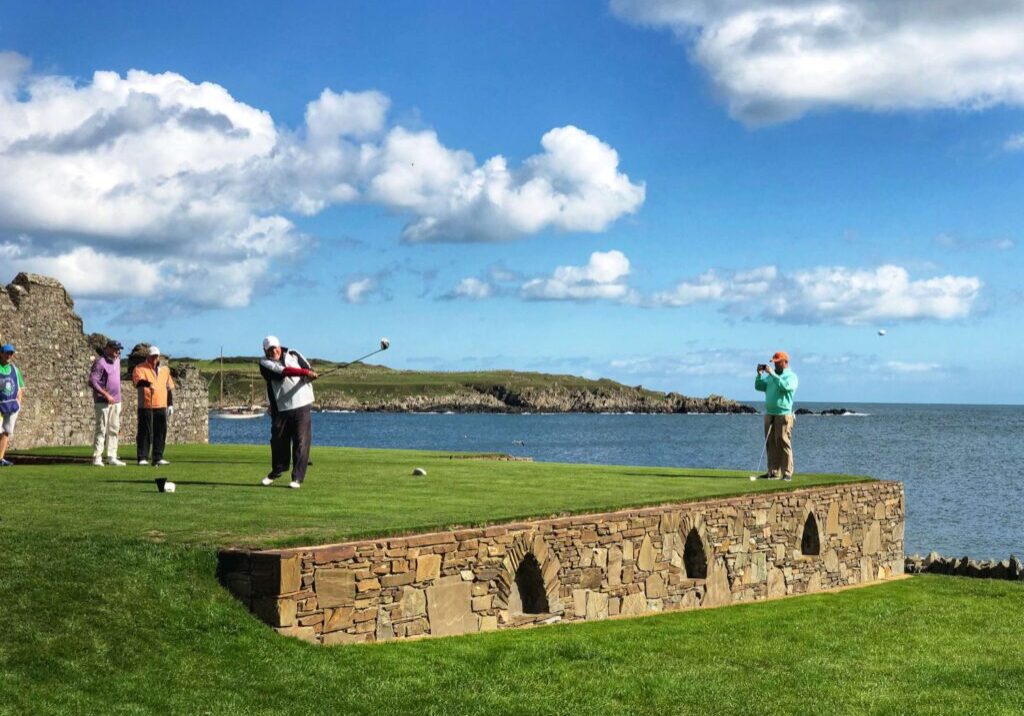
6, 463
787, 478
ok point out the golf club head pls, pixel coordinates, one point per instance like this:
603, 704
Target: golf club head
384, 344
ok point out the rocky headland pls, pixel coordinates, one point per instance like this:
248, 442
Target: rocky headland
556, 399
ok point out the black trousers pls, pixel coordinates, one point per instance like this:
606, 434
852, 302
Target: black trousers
291, 433
152, 433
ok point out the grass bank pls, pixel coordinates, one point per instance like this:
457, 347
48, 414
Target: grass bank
348, 493
109, 605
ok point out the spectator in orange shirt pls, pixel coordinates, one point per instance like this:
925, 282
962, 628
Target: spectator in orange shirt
156, 404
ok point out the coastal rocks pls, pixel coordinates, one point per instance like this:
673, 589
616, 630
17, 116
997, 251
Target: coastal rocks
935, 563
827, 411
551, 399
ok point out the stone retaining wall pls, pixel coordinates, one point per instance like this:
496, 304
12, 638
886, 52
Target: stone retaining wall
37, 315
586, 567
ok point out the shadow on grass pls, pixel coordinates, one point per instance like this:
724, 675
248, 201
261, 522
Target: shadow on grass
184, 482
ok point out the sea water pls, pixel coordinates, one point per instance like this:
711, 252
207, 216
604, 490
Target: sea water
962, 466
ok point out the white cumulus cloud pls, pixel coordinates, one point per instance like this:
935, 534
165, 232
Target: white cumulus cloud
830, 294
603, 277
773, 60
182, 182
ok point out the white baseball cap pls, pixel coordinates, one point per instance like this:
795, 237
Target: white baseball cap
154, 351
271, 342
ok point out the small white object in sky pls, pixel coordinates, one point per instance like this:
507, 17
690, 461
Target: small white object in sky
881, 331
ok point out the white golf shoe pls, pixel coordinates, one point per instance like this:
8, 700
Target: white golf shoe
97, 461
143, 462
294, 485
162, 462
115, 462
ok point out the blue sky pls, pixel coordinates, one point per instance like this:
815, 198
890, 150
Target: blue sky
659, 192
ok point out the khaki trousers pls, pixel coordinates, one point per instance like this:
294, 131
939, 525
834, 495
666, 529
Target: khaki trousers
780, 443
108, 425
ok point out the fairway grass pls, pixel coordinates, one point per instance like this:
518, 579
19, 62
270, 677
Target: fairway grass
348, 493
109, 605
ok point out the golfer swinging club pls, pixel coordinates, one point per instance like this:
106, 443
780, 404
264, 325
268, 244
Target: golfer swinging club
778, 383
289, 390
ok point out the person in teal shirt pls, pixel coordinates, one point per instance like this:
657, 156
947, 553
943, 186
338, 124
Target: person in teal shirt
12, 388
778, 383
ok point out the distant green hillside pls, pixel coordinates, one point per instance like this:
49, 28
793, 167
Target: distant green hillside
374, 387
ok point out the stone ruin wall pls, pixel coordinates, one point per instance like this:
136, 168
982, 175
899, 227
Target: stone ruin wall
588, 567
37, 315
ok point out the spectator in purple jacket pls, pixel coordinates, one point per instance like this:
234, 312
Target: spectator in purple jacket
105, 381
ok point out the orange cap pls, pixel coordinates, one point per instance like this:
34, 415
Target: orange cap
780, 355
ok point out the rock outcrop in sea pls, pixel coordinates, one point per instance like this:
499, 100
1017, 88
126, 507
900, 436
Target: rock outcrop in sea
553, 399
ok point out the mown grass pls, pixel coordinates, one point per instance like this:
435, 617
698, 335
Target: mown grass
348, 493
109, 605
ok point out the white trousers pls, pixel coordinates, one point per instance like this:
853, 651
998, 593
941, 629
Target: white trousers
108, 425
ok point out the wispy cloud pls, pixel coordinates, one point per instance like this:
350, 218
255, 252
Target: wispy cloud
1014, 143
951, 241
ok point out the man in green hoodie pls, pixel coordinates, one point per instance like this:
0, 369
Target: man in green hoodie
778, 383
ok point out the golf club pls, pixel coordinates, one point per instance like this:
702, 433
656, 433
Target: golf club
384, 345
764, 449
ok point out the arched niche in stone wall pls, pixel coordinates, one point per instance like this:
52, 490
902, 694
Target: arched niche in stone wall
694, 547
810, 539
528, 581
810, 532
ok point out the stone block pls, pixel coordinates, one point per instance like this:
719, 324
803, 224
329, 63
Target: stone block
275, 612
634, 604
337, 619
591, 578
873, 539
579, 602
335, 587
832, 526
645, 560
398, 580
614, 567
368, 585
655, 586
776, 583
428, 566
449, 608
482, 604
414, 602
718, 591
488, 623
384, 631
831, 560
814, 583
298, 632
597, 605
